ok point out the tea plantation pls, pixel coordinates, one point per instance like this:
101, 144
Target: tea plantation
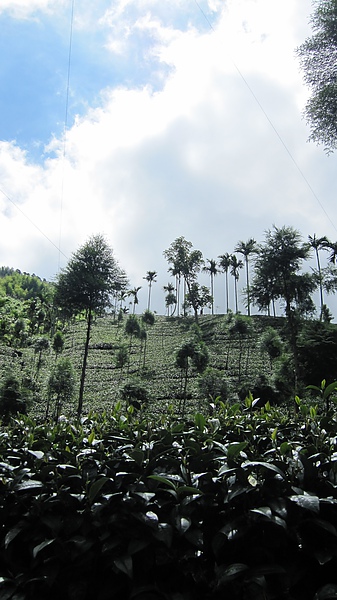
162, 490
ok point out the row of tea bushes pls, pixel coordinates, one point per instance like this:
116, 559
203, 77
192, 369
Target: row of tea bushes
241, 505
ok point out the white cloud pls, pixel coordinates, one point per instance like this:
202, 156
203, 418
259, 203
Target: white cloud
202, 157
22, 9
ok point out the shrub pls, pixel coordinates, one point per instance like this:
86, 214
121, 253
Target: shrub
212, 384
10, 398
135, 393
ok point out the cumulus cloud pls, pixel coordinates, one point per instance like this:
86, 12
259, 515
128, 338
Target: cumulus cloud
217, 153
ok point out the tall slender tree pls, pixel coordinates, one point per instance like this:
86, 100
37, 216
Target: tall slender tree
187, 262
318, 244
236, 265
150, 278
170, 298
246, 249
85, 286
224, 264
211, 268
280, 261
134, 294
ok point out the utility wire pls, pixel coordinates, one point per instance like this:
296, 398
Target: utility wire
271, 124
32, 222
58, 247
65, 127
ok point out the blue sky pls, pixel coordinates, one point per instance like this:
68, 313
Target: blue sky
177, 125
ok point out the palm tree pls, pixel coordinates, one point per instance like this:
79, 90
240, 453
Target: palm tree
236, 265
225, 263
134, 293
212, 270
176, 272
333, 255
151, 278
247, 248
318, 244
170, 297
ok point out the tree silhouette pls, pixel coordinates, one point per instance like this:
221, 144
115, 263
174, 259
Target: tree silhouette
150, 278
236, 265
85, 286
134, 294
279, 262
225, 263
211, 268
318, 62
318, 244
246, 249
170, 297
186, 262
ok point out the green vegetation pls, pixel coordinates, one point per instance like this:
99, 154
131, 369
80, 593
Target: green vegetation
240, 505
198, 461
318, 62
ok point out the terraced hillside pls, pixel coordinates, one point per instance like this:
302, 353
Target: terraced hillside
234, 351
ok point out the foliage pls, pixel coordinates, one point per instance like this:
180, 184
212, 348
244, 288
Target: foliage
23, 286
11, 401
61, 385
271, 343
318, 63
121, 357
185, 262
58, 343
198, 297
86, 284
316, 352
148, 318
239, 505
135, 393
213, 384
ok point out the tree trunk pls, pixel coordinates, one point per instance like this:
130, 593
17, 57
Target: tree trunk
84, 364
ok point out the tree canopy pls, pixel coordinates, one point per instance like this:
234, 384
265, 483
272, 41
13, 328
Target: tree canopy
318, 60
86, 284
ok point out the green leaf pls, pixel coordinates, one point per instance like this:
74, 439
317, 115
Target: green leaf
138, 456
188, 490
12, 533
164, 480
329, 389
285, 448
91, 437
274, 435
96, 487
182, 524
29, 484
264, 465
233, 450
41, 546
37, 454
307, 502
124, 564
233, 571
200, 421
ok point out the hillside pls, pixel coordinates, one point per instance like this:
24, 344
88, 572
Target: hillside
237, 356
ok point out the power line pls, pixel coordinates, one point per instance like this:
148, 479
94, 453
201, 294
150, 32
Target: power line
271, 124
65, 126
58, 247
32, 222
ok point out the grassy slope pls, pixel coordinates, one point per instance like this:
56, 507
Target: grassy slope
104, 380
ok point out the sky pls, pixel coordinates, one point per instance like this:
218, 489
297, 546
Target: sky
147, 120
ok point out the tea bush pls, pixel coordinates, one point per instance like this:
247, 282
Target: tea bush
241, 505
